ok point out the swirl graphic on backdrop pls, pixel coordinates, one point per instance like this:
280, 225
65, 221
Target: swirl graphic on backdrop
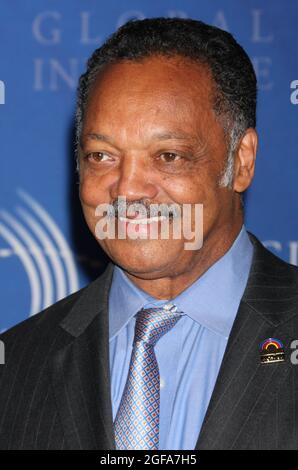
35, 238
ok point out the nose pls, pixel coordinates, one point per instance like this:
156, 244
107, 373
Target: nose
134, 179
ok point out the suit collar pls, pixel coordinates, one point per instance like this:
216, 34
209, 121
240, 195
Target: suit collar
93, 301
270, 292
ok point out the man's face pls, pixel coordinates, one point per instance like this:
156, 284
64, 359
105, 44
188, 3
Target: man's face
160, 143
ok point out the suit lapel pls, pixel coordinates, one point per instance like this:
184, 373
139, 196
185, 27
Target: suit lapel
80, 370
245, 388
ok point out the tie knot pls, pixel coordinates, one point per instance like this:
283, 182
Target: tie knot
153, 323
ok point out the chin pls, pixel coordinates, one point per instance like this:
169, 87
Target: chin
142, 256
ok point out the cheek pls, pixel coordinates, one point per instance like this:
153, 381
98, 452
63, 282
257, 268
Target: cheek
92, 192
188, 190
202, 189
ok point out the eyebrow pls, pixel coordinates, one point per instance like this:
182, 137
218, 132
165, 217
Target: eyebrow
155, 136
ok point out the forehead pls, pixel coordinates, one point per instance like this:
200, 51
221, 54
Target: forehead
160, 89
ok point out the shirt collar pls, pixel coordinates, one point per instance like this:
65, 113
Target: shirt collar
212, 300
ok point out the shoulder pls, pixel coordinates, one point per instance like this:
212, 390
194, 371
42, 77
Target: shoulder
267, 262
272, 287
40, 327
51, 316
46, 331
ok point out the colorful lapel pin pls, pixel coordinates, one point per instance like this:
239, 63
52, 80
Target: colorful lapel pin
271, 350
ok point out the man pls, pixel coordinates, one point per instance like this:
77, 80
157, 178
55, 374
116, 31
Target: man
163, 350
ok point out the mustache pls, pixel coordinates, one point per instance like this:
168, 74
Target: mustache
121, 207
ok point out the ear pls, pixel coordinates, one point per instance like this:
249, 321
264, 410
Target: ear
245, 159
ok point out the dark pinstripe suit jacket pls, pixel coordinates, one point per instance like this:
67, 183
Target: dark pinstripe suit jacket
55, 385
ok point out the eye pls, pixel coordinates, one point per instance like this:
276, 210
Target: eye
169, 157
97, 157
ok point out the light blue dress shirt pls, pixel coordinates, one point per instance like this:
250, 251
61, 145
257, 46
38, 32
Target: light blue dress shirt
190, 354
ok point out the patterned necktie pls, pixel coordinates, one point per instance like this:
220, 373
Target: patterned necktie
137, 422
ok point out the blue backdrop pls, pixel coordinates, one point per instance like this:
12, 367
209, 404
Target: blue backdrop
46, 251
